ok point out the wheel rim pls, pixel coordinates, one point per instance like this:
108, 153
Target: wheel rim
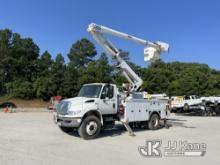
154, 122
91, 127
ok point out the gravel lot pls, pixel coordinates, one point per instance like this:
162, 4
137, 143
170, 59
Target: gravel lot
33, 138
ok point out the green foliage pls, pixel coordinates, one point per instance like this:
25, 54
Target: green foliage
44, 87
96, 71
82, 52
178, 78
20, 89
26, 74
18, 59
70, 85
58, 69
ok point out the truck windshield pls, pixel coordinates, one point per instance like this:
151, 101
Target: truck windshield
90, 91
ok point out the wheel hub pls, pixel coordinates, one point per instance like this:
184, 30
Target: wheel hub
155, 122
91, 128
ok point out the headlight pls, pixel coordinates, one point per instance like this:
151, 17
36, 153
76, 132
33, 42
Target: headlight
69, 105
73, 112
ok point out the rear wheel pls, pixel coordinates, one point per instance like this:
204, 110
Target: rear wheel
186, 107
153, 123
90, 127
203, 112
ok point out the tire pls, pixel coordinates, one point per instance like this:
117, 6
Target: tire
186, 107
173, 110
55, 118
131, 124
203, 112
66, 129
153, 123
90, 128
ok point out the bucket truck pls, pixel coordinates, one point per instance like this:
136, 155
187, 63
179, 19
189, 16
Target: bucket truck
99, 105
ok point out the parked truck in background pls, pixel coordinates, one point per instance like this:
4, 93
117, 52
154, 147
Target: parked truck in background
205, 106
211, 100
185, 103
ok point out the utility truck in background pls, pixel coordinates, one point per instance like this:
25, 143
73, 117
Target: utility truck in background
211, 100
99, 105
205, 106
212, 104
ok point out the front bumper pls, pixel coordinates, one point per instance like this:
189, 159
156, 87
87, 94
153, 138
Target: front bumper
68, 121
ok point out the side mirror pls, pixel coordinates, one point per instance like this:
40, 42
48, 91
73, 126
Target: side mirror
103, 96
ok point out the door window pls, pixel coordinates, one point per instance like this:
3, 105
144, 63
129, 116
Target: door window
108, 91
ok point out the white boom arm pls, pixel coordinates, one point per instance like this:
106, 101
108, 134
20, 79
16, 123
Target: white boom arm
152, 51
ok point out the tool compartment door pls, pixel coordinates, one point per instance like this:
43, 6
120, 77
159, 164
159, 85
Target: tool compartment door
129, 112
140, 111
136, 111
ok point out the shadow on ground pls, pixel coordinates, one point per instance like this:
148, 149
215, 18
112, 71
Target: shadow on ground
199, 114
178, 123
120, 129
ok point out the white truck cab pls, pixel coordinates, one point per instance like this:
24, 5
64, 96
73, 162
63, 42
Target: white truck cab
100, 98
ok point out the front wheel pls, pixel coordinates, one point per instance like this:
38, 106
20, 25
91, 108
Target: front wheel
153, 123
90, 127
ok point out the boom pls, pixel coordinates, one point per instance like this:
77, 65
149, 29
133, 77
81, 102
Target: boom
152, 51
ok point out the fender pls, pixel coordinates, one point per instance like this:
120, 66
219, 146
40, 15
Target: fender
92, 109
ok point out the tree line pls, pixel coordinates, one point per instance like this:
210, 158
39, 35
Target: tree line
27, 74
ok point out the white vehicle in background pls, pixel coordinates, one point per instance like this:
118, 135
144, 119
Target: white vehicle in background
205, 106
211, 100
185, 103
99, 105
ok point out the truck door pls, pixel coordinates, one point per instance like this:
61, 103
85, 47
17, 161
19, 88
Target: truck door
188, 100
108, 100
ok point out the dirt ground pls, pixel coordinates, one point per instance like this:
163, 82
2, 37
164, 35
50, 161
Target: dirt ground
33, 138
